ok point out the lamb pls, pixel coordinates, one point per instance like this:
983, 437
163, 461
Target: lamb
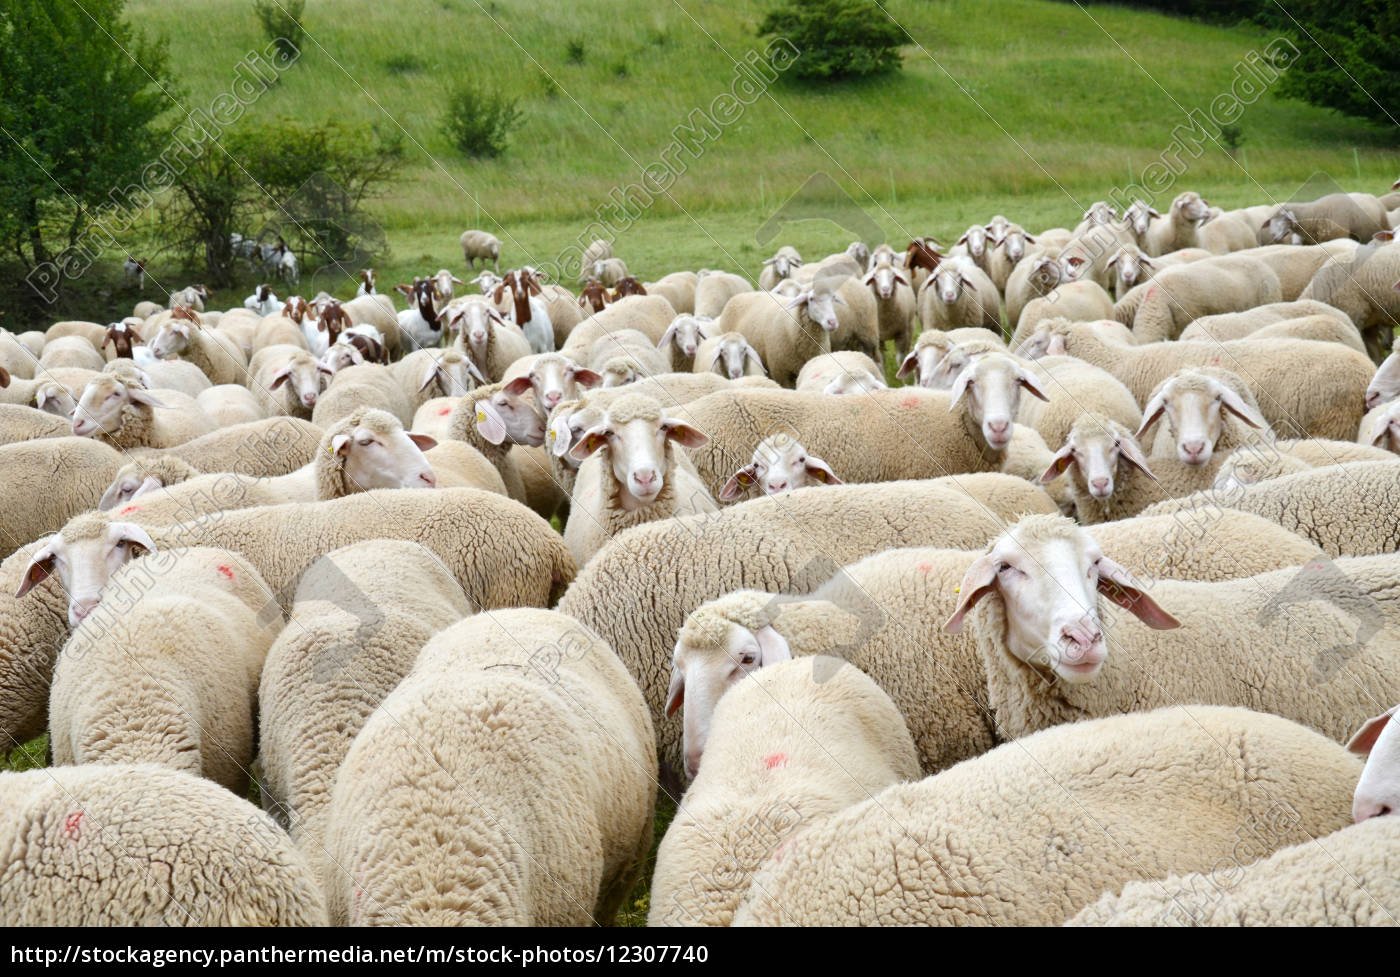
685, 334
802, 740
361, 614
168, 671
1335, 215
1362, 287
784, 262
292, 370
127, 416
628, 593
631, 476
1161, 308
714, 290
843, 372
1351, 509
365, 385
1068, 813
117, 827
1303, 388
1180, 228
1077, 301
785, 333
481, 245
1238, 325
70, 352
729, 355
1086, 257
780, 464
958, 295
1381, 427
562, 736
1038, 586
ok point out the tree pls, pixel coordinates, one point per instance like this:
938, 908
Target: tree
837, 38
80, 96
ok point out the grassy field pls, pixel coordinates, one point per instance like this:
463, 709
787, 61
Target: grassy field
1025, 107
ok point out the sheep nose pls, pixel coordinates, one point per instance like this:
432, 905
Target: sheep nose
81, 609
1195, 449
999, 428
1364, 809
308, 399
645, 478
692, 762
552, 398
689, 349
1373, 399
1099, 485
776, 487
429, 479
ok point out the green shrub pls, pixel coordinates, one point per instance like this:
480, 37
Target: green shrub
479, 121
281, 22
837, 38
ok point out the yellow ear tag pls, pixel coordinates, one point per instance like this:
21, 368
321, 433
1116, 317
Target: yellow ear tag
480, 416
957, 590
552, 435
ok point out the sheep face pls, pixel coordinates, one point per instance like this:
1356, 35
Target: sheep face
1092, 452
53, 398
385, 456
821, 307
128, 486
1378, 791
1013, 242
85, 564
637, 453
99, 409
705, 665
1193, 404
1139, 216
992, 385
507, 416
455, 374
948, 283
731, 356
859, 251
1049, 574
976, 240
1383, 431
172, 340
1385, 385
1100, 213
687, 332
1191, 207
338, 357
883, 279
620, 371
1131, 266
779, 465
556, 378
306, 378
567, 427
478, 319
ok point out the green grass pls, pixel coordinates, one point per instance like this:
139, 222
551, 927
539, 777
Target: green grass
1031, 108
30, 756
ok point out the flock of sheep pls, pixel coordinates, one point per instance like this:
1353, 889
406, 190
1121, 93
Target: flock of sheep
1070, 627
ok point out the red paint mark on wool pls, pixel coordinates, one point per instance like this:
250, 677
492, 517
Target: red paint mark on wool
226, 571
925, 567
127, 511
773, 760
444, 412
72, 824
910, 402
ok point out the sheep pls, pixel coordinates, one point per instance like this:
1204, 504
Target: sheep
378, 311
895, 304
885, 434
168, 672
1336, 215
1099, 212
18, 360
1381, 427
294, 371
70, 352
1385, 385
490, 419
714, 290
784, 262
127, 416
624, 596
361, 614
678, 288
1010, 247
780, 464
1046, 575
281, 329
653, 358
553, 377
1161, 308
609, 271
1180, 227
483, 245
530, 309
71, 473
1319, 328
1257, 462
959, 294
1084, 301
488, 339
785, 333
1074, 388
428, 373
25, 392
804, 739
1225, 233
631, 476
192, 296
729, 355
229, 404
685, 334
364, 385
1106, 469
172, 375
1033, 831
842, 372
1349, 509
1034, 276
1086, 257
19, 424
650, 315
1303, 388
556, 731
932, 346
974, 244
116, 829
1362, 287
1238, 325
597, 250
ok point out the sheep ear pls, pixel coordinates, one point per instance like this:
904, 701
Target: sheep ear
424, 442
821, 471
768, 261
1059, 464
144, 397
587, 378
1235, 404
1117, 585
977, 583
1370, 731
589, 443
684, 435
1129, 451
431, 374
1027, 380
4, 377
752, 354
456, 280
838, 299
960, 386
1151, 414
148, 485
40, 566
738, 484
772, 647
911, 362
489, 423
675, 693
340, 444
668, 335
801, 298
518, 387
901, 279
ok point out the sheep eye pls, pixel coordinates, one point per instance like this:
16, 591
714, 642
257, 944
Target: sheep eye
366, 442
1003, 567
747, 659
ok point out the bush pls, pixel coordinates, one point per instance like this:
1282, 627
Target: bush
837, 38
479, 121
281, 22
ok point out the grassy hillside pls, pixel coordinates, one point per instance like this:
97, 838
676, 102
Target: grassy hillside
1025, 107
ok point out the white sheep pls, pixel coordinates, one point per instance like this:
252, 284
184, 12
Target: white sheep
70, 353
784, 262
959, 294
1179, 228
714, 290
1175, 297
481, 245
491, 342
842, 372
1381, 427
780, 464
359, 386
785, 333
728, 355
127, 416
